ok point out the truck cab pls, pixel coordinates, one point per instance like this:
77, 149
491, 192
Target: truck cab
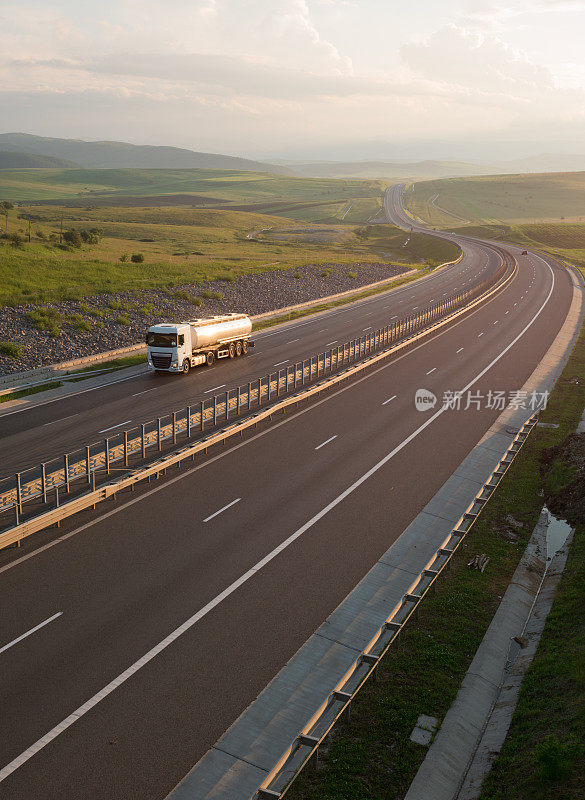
169, 347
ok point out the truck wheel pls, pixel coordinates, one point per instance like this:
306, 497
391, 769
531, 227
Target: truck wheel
244, 347
186, 366
210, 358
232, 349
238, 349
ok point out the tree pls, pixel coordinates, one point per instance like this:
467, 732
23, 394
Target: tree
72, 237
5, 207
137, 258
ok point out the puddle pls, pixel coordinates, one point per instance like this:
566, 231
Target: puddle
556, 534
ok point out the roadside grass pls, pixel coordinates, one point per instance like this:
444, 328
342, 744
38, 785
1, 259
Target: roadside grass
371, 757
501, 198
5, 398
180, 246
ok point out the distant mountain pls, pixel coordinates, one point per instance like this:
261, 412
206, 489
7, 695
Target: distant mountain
10, 160
384, 169
120, 155
547, 162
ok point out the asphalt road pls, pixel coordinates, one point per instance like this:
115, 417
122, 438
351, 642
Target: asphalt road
177, 605
45, 431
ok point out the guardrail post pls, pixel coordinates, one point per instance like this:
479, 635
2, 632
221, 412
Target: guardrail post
188, 422
214, 410
44, 482
249, 394
66, 470
125, 448
143, 441
174, 427
57, 504
87, 463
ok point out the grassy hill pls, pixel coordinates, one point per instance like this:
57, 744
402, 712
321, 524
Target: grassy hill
180, 246
115, 155
547, 197
10, 160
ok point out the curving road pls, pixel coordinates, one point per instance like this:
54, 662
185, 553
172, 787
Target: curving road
179, 604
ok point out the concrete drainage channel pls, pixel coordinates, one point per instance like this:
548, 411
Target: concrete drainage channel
306, 744
43, 486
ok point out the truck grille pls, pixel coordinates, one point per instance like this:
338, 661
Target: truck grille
161, 361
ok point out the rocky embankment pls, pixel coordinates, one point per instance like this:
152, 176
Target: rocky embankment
108, 322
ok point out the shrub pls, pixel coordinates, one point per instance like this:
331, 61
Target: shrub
47, 320
325, 273
212, 295
122, 319
95, 312
124, 257
137, 258
114, 305
190, 298
11, 349
352, 274
73, 238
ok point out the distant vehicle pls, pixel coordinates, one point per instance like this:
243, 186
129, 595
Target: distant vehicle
525, 252
178, 347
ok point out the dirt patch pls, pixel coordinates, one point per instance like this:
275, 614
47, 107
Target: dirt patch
563, 470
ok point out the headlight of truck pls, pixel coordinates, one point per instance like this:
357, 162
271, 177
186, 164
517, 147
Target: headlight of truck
174, 364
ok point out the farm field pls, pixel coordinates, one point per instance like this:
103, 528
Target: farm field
519, 199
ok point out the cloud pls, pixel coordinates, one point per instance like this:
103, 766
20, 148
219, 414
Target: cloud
479, 61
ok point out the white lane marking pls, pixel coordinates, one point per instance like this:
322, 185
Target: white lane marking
119, 425
431, 370
330, 343
515, 304
414, 308
507, 312
215, 388
293, 340
496, 322
145, 391
460, 349
174, 635
368, 315
28, 633
369, 328
221, 510
389, 400
322, 330
286, 360
394, 317
54, 422
319, 446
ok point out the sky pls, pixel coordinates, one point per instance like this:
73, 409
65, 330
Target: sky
300, 79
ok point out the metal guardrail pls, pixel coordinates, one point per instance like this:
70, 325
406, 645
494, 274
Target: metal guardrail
306, 744
42, 484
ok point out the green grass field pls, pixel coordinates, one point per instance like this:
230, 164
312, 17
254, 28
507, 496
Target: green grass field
179, 246
520, 199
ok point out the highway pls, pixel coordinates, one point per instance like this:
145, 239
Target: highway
134, 636
34, 434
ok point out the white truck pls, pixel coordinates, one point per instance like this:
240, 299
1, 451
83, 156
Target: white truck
178, 347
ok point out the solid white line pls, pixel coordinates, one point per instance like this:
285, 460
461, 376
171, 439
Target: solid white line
479, 334
229, 505
431, 370
172, 637
460, 349
119, 425
319, 446
28, 633
54, 422
286, 360
214, 388
389, 399
330, 343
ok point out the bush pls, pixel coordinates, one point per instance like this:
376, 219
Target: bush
137, 258
124, 257
212, 295
73, 238
95, 312
122, 320
83, 325
352, 274
91, 236
196, 301
114, 305
11, 349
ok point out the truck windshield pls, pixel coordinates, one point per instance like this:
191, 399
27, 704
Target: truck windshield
161, 339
